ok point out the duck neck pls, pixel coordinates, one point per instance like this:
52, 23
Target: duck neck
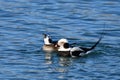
46, 41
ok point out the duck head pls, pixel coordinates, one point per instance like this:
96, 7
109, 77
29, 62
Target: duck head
63, 45
47, 40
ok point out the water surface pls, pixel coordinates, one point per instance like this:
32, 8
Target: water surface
23, 21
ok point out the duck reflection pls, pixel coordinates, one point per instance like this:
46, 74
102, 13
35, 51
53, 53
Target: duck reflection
64, 64
57, 63
48, 58
65, 61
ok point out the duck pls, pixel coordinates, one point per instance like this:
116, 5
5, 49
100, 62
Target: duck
49, 45
65, 50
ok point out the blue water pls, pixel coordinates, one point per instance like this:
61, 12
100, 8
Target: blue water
23, 21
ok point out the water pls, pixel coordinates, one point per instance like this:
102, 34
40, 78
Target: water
23, 21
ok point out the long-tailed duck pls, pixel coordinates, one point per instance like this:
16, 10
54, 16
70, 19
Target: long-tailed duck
49, 45
65, 50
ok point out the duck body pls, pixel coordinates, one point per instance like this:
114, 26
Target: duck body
67, 51
49, 45
74, 52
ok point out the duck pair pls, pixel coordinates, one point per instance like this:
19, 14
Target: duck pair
64, 48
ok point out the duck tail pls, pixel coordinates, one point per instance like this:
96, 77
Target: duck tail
96, 43
102, 35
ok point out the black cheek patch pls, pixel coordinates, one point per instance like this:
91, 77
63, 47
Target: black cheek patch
66, 45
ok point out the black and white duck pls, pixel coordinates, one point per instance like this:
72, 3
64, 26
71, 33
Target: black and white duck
49, 45
65, 50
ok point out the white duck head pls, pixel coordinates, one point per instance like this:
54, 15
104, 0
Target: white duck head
63, 45
47, 40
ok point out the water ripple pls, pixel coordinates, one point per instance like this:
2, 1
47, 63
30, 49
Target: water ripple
81, 21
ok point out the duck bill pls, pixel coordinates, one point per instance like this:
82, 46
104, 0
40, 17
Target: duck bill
57, 46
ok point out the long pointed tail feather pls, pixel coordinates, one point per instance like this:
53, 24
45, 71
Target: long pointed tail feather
102, 35
96, 43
